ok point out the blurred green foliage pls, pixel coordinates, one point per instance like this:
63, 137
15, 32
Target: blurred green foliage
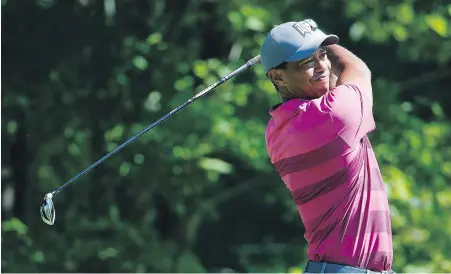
198, 192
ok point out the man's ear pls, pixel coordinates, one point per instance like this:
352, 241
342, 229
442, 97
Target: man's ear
277, 77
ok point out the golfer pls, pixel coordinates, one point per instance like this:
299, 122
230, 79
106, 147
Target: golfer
317, 141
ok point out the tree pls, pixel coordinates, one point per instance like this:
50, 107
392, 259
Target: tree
198, 192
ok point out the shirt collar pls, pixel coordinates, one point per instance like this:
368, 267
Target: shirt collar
286, 108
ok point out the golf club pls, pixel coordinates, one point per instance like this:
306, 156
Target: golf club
47, 208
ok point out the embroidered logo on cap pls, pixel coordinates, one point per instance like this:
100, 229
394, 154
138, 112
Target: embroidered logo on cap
305, 27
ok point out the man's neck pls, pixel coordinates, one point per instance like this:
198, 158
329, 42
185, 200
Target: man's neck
286, 99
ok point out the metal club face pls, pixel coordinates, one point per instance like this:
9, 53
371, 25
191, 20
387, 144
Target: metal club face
47, 210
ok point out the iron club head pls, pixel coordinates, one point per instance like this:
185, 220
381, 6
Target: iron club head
47, 209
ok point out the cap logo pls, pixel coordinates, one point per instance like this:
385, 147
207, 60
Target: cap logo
303, 28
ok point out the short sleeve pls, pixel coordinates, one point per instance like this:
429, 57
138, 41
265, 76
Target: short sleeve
351, 110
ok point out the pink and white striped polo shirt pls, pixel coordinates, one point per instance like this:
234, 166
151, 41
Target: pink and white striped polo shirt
321, 150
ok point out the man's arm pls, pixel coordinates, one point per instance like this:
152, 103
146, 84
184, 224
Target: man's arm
353, 69
350, 102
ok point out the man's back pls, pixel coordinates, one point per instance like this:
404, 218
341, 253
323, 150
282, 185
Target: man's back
322, 153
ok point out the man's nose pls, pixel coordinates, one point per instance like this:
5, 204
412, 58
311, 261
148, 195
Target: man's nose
320, 65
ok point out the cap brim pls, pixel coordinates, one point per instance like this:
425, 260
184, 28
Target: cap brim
312, 45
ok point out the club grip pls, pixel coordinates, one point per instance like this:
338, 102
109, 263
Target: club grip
253, 61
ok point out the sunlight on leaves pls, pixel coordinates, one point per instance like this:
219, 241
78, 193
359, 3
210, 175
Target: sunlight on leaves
74, 149
419, 268
15, 225
152, 102
405, 13
154, 38
255, 24
357, 30
140, 62
200, 69
400, 33
426, 157
295, 270
444, 198
437, 110
437, 23
38, 256
115, 133
215, 164
413, 138
11, 127
109, 252
355, 8
416, 236
184, 83
138, 159
236, 19
398, 183
124, 169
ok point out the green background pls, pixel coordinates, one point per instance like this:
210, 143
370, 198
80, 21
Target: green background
198, 193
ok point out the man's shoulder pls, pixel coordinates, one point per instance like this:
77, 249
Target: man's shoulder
299, 115
296, 108
349, 92
305, 131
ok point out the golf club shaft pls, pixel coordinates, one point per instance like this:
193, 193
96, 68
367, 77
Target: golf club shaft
244, 67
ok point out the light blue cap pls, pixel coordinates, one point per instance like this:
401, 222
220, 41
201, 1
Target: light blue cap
293, 41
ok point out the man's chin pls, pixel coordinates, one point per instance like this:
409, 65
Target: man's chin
320, 91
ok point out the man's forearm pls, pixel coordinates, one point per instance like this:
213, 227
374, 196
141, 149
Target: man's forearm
346, 60
348, 66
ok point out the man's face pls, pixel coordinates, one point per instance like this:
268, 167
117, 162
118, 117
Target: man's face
308, 78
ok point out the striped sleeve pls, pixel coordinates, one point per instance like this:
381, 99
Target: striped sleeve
351, 111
